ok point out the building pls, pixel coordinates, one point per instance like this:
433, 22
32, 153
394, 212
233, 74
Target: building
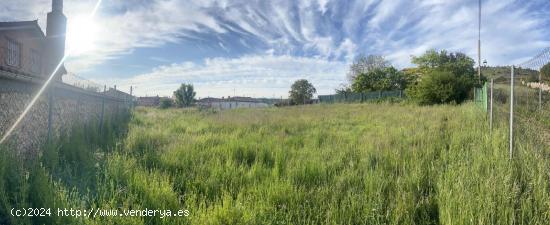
231, 103
149, 101
113, 92
26, 50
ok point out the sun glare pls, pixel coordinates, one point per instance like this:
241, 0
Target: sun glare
81, 35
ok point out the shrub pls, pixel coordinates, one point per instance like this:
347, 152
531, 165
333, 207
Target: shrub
165, 103
440, 87
443, 78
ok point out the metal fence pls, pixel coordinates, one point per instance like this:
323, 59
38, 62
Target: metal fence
480, 96
360, 97
519, 100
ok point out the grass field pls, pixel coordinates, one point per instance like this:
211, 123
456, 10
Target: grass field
322, 164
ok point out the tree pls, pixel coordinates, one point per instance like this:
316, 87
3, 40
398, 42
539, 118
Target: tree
343, 90
443, 78
185, 95
363, 64
545, 72
380, 79
457, 63
301, 92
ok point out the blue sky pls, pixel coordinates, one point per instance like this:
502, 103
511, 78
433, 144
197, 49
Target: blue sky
258, 48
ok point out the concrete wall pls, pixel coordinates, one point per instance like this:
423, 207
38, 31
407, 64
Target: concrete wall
68, 106
233, 104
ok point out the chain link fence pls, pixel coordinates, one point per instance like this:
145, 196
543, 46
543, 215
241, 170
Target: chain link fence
519, 100
360, 97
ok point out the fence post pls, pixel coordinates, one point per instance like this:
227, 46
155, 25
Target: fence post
485, 97
511, 112
131, 97
540, 91
102, 109
491, 105
475, 96
50, 111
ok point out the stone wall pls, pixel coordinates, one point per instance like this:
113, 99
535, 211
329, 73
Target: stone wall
68, 106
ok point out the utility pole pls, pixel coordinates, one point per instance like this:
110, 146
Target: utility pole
479, 43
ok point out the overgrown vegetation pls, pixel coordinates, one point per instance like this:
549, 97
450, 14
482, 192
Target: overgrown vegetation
68, 173
165, 103
443, 78
322, 164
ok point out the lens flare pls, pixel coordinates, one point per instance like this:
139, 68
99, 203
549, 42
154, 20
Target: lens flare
81, 35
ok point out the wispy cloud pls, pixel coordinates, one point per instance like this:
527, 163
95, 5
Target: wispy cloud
258, 75
331, 31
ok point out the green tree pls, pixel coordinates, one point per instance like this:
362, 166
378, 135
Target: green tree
185, 95
457, 63
545, 72
443, 78
382, 79
343, 90
301, 92
364, 64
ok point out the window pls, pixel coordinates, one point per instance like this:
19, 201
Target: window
14, 53
35, 62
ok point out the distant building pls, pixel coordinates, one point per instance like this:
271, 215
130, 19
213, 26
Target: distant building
113, 92
148, 101
231, 103
26, 50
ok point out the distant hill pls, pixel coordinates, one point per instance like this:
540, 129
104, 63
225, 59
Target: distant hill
504, 72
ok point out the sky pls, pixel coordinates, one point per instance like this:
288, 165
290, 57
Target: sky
258, 48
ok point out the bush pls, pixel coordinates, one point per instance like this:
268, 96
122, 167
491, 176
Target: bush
443, 77
441, 87
165, 103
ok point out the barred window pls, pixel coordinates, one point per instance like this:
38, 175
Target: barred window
35, 62
14, 53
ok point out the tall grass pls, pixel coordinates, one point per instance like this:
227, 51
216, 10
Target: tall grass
352, 164
64, 175
322, 164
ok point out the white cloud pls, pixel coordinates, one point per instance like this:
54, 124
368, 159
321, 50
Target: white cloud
509, 32
331, 32
254, 75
